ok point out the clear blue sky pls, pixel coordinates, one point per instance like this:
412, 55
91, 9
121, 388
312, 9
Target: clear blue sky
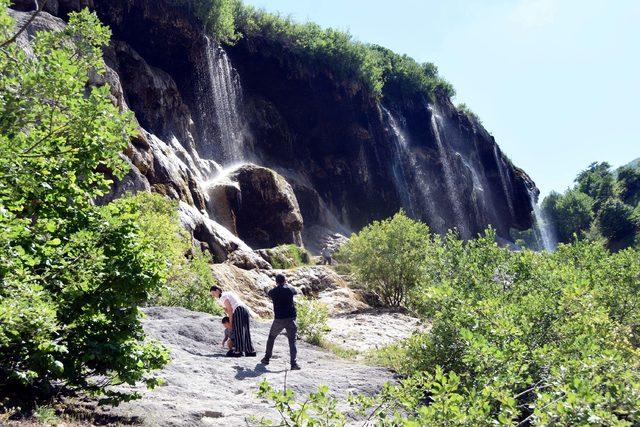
557, 82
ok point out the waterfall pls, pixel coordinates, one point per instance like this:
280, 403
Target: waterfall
542, 228
449, 177
220, 102
506, 183
400, 151
408, 176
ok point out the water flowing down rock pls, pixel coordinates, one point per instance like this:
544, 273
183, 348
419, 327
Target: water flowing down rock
542, 227
452, 191
220, 103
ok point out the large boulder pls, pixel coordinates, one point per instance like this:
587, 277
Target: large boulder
262, 207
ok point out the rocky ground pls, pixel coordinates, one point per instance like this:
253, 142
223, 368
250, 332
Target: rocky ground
205, 388
371, 329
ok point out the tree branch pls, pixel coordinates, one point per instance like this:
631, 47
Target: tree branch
25, 26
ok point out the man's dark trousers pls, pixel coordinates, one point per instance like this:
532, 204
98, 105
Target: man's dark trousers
276, 327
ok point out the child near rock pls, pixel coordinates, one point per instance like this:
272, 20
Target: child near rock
229, 335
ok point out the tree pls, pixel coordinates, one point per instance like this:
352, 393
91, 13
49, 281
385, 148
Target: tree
629, 185
571, 213
617, 223
389, 256
73, 274
597, 181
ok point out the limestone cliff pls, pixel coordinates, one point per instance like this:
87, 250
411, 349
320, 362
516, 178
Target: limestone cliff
348, 156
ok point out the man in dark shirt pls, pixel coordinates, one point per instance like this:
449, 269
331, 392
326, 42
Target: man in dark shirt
284, 311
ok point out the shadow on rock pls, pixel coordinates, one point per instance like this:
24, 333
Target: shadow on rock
244, 372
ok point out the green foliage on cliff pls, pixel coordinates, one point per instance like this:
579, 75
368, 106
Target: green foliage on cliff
516, 338
217, 16
601, 204
374, 66
380, 70
287, 256
73, 274
464, 108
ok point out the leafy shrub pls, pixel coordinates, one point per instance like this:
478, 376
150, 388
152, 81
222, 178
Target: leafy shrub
616, 221
287, 256
73, 274
571, 213
319, 409
519, 338
312, 320
628, 184
188, 275
599, 206
597, 182
388, 257
217, 16
464, 108
46, 415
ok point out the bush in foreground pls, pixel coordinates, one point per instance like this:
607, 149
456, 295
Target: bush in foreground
73, 274
188, 274
312, 320
517, 338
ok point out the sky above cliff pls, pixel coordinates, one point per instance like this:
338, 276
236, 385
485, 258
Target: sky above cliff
555, 81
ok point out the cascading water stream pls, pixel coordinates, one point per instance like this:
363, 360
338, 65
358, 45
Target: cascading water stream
220, 105
542, 228
399, 174
409, 181
449, 178
506, 184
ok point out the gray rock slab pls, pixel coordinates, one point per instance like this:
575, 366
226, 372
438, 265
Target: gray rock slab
202, 387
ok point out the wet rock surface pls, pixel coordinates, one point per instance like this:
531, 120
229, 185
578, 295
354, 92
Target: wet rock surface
204, 388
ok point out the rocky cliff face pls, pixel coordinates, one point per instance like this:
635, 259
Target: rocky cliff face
339, 157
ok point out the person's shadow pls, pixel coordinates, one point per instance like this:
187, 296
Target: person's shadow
244, 372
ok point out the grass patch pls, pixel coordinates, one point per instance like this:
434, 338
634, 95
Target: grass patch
46, 415
284, 257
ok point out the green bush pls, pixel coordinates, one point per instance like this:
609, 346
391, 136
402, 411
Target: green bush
73, 274
312, 320
600, 206
217, 17
628, 184
188, 275
617, 223
570, 213
518, 338
287, 256
464, 108
388, 257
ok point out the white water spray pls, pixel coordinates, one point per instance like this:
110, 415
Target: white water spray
412, 180
221, 105
542, 227
506, 184
449, 178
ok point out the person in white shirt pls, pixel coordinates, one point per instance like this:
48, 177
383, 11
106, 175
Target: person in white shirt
239, 316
